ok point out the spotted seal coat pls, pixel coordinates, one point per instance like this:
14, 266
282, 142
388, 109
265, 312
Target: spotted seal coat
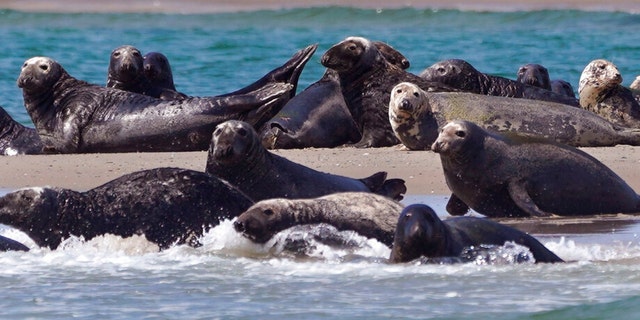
366, 79
462, 75
17, 139
167, 205
416, 115
421, 233
368, 214
73, 116
238, 156
518, 176
601, 92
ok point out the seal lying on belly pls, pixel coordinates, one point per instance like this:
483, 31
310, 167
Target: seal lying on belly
368, 214
518, 176
17, 139
73, 116
237, 155
416, 115
167, 205
421, 233
601, 92
462, 75
318, 117
366, 79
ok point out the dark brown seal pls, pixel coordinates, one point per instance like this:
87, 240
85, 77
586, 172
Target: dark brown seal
519, 176
421, 233
535, 75
238, 156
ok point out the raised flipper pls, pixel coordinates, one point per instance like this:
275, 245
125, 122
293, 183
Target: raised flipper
390, 188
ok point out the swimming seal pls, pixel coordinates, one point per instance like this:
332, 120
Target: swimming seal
17, 139
421, 233
366, 79
535, 75
370, 215
238, 156
416, 115
168, 206
462, 75
73, 116
7, 244
519, 176
601, 92
318, 117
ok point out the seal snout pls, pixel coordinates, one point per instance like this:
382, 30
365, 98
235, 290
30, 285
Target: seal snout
405, 105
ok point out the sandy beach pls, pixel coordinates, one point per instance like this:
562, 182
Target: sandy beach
208, 6
420, 169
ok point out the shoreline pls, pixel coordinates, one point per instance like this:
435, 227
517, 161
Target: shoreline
421, 170
222, 6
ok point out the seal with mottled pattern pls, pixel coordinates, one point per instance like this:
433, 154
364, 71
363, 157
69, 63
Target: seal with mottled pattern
522, 176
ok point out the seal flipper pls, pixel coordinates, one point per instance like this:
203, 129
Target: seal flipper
456, 207
519, 195
391, 188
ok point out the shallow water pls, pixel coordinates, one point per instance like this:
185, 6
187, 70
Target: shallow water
230, 277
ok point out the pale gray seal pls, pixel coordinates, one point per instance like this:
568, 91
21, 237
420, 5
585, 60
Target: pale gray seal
368, 214
238, 156
601, 92
421, 233
416, 115
520, 176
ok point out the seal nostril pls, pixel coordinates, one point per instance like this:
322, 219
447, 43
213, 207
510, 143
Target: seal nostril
239, 226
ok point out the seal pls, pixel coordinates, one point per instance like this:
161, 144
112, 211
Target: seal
157, 71
366, 79
462, 75
7, 244
601, 92
237, 155
73, 116
168, 206
17, 139
368, 214
522, 176
421, 233
563, 88
416, 115
318, 117
535, 75
125, 71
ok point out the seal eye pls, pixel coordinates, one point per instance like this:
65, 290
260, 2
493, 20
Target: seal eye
399, 91
217, 132
415, 94
441, 70
352, 47
460, 133
268, 212
44, 67
243, 132
116, 54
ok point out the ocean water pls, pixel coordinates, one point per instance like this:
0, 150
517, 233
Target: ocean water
231, 278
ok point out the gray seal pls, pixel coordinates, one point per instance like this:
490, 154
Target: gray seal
366, 79
563, 87
319, 117
535, 75
370, 215
462, 75
416, 115
421, 233
17, 139
73, 116
601, 92
168, 206
519, 176
238, 156
157, 71
7, 244
125, 71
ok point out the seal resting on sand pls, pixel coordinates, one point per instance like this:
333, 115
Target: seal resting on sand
17, 139
73, 116
366, 79
421, 233
522, 176
462, 75
238, 156
319, 117
370, 215
601, 92
167, 205
416, 115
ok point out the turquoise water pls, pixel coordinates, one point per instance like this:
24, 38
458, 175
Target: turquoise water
229, 277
